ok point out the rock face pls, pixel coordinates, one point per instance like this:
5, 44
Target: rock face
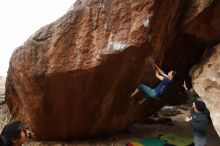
73, 78
206, 82
205, 28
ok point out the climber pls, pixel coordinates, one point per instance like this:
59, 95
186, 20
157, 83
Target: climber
199, 121
166, 80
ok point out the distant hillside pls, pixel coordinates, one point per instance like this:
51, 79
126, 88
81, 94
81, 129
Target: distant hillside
2, 84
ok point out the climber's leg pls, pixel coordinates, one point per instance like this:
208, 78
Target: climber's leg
149, 92
142, 101
135, 92
141, 87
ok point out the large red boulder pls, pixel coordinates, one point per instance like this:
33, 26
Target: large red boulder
73, 77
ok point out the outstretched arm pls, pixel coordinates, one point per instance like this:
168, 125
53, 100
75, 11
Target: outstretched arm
184, 85
160, 70
158, 75
189, 95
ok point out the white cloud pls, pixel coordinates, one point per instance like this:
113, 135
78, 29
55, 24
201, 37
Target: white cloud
21, 18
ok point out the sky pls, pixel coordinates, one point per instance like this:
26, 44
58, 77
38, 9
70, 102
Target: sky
22, 18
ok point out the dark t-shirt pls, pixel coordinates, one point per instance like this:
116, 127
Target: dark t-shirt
163, 85
199, 123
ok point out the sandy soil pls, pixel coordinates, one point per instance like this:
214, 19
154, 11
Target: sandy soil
137, 132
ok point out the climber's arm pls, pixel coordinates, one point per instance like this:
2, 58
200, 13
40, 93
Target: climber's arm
160, 71
158, 75
184, 85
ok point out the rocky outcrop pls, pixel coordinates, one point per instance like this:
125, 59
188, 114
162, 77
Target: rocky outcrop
205, 31
206, 82
73, 77
205, 26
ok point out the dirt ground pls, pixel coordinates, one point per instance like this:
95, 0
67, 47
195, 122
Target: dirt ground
137, 132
